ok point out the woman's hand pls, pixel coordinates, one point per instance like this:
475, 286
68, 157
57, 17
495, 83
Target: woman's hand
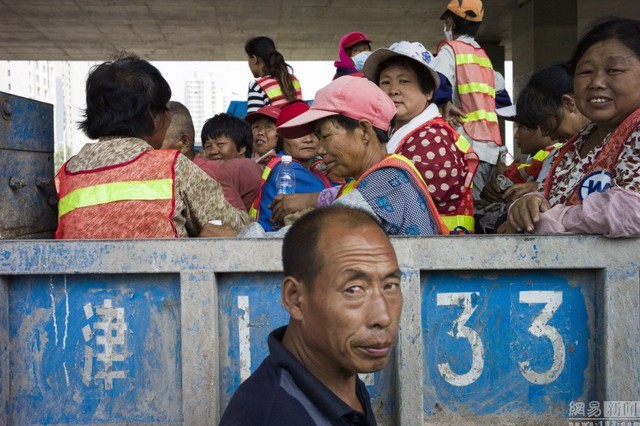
525, 212
518, 190
283, 205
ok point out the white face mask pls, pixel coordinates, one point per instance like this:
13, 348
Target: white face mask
359, 59
448, 34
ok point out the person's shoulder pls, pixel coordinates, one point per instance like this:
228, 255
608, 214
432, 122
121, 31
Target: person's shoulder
260, 400
210, 167
253, 400
186, 166
246, 165
436, 127
392, 177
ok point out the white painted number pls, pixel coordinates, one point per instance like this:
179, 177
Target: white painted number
462, 332
539, 328
244, 336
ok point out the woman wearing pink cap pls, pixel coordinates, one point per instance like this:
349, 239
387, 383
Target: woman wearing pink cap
352, 47
303, 150
352, 117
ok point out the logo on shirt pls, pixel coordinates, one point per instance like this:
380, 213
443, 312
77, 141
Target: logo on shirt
599, 181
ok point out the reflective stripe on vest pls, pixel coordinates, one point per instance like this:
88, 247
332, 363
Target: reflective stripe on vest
161, 189
464, 89
538, 158
458, 219
475, 84
459, 222
274, 92
254, 211
470, 58
403, 163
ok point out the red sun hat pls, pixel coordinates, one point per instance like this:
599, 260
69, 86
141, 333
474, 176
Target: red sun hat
290, 111
265, 111
354, 38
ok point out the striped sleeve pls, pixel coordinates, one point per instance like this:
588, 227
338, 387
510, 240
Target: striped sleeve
256, 98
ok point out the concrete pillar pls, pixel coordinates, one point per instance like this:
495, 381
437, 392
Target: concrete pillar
497, 55
543, 31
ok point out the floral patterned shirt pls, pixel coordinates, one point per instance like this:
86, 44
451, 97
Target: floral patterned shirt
572, 168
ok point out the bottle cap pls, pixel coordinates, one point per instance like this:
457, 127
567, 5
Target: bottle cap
286, 158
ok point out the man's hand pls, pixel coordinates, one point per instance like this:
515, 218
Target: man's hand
453, 115
283, 205
525, 212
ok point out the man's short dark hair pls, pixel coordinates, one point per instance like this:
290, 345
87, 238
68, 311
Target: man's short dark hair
181, 121
301, 256
239, 131
123, 97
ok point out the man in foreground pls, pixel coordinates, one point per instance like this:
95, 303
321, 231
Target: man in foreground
342, 292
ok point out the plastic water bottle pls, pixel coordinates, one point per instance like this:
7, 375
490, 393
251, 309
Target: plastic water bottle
286, 182
505, 157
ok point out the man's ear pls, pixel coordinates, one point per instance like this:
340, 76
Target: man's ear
185, 140
568, 102
293, 296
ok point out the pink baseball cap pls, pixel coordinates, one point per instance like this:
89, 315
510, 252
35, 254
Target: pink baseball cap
353, 97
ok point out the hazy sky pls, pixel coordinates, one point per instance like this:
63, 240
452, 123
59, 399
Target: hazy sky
234, 76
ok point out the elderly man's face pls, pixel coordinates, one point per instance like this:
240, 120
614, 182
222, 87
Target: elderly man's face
351, 310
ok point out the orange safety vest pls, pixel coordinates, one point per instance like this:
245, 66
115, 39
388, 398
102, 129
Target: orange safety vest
254, 211
607, 159
461, 220
401, 162
135, 199
475, 81
274, 92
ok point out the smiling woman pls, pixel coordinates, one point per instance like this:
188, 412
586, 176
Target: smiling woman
593, 183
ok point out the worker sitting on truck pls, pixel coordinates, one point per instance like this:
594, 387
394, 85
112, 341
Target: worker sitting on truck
124, 185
